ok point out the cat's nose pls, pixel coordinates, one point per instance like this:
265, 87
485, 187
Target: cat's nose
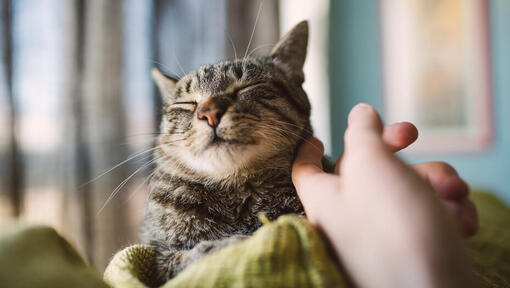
211, 114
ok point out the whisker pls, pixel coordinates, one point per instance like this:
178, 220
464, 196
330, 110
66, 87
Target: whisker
291, 124
260, 47
233, 45
121, 185
254, 27
245, 116
179, 65
148, 134
140, 186
118, 165
170, 161
166, 67
282, 129
127, 160
150, 139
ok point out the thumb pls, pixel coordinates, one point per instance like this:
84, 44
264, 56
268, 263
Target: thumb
313, 185
364, 129
308, 161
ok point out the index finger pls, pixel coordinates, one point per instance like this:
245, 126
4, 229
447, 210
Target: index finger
397, 136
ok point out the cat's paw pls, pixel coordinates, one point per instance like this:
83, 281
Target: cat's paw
203, 247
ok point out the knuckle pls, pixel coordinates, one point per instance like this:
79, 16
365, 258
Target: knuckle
443, 167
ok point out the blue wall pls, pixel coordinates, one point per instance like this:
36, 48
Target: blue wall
355, 70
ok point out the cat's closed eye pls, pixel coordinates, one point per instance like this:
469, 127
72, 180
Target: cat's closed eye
184, 105
258, 90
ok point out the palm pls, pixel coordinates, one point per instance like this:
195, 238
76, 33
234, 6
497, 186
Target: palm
449, 187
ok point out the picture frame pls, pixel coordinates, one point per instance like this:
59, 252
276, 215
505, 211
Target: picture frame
436, 72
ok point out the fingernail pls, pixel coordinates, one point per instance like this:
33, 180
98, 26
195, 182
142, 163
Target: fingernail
357, 111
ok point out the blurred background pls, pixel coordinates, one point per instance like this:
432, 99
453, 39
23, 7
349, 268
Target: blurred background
78, 110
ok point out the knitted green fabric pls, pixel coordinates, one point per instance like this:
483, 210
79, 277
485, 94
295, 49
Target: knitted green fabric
36, 256
284, 253
289, 253
490, 248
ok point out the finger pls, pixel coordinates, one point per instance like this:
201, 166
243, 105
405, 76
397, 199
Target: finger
399, 135
444, 179
338, 164
464, 214
308, 161
364, 129
308, 178
470, 217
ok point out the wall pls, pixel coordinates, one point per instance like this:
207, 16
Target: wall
316, 72
355, 74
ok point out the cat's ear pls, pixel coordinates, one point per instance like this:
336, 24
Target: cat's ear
166, 84
290, 51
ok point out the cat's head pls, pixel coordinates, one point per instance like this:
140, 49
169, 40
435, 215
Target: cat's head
235, 115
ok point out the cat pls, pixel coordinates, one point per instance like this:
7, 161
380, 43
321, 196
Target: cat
228, 137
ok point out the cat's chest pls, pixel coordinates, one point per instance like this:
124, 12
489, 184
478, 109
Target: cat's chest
273, 195
186, 212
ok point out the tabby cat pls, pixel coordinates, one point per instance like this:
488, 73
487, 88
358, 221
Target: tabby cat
229, 134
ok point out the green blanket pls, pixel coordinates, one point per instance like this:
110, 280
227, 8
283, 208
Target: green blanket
284, 253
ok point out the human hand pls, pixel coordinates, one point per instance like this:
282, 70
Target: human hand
453, 193
449, 187
382, 218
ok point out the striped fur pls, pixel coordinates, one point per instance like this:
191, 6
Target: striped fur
211, 183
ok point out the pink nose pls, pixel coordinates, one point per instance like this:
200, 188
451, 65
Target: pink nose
212, 114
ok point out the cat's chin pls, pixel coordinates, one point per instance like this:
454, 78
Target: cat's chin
223, 158
222, 143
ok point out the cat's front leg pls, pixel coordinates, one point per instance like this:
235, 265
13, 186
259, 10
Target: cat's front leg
167, 264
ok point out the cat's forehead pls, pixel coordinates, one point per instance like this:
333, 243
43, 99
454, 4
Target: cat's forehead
226, 75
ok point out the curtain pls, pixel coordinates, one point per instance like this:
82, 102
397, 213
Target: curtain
78, 110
